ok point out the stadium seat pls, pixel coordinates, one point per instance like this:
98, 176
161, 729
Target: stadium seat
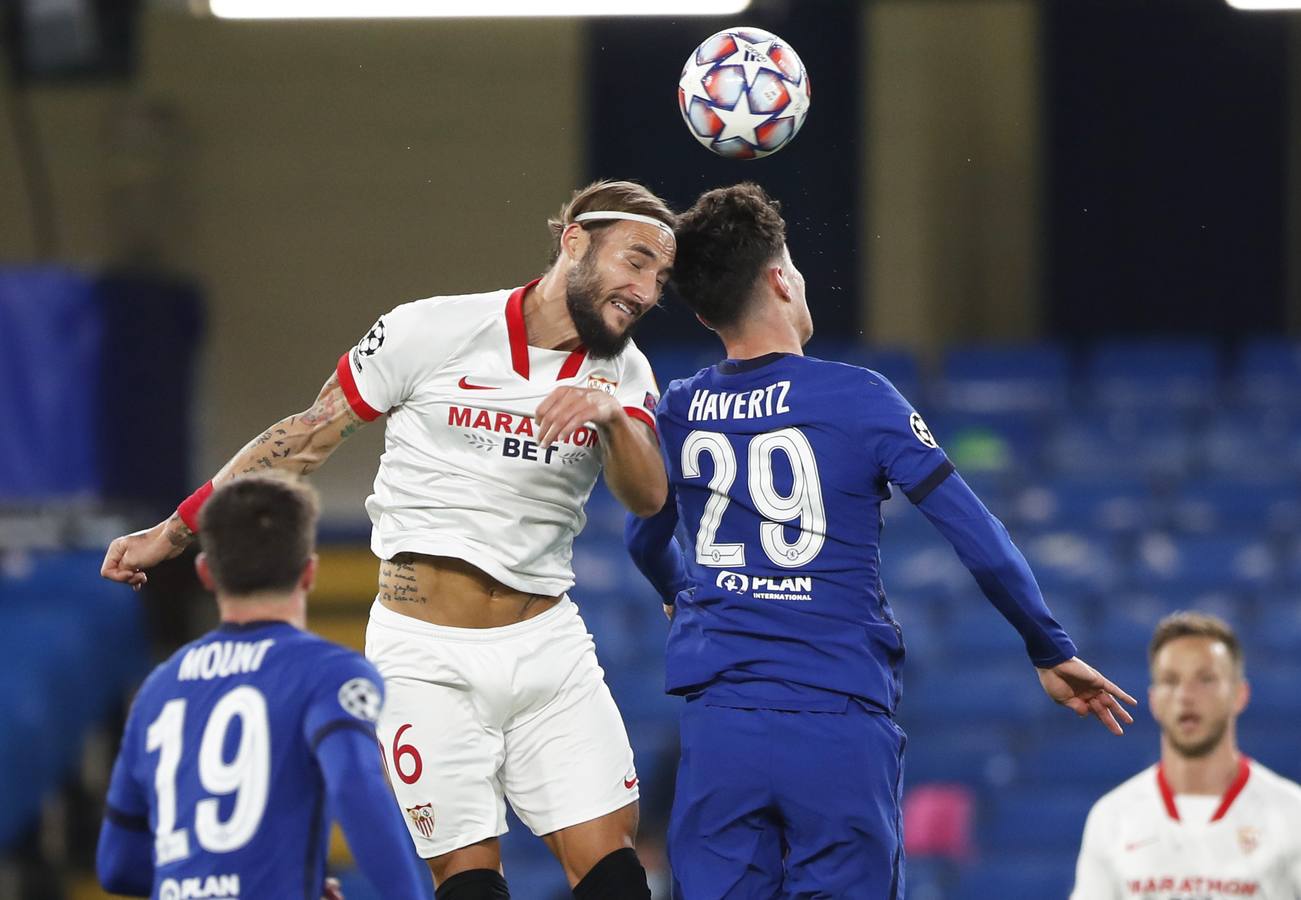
976, 755
1105, 502
1272, 740
1017, 877
1093, 759
1039, 819
1253, 445
976, 629
1276, 629
923, 566
1238, 505
1274, 689
1268, 373
1071, 561
1030, 379
1004, 691
1204, 561
1131, 443
929, 878
1140, 374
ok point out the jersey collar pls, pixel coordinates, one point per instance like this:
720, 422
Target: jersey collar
736, 366
239, 627
1239, 782
519, 338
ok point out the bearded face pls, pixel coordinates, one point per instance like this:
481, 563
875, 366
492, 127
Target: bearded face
587, 299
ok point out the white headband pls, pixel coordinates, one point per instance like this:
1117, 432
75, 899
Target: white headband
631, 217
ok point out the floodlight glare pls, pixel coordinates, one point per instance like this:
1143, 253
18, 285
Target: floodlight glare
1265, 5
416, 9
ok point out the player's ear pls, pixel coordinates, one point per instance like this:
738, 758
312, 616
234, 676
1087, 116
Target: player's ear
780, 283
1244, 696
204, 571
574, 241
307, 580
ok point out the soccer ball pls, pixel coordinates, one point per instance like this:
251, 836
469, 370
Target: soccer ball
744, 93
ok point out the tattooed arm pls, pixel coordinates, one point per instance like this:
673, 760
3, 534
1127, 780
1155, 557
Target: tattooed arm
298, 444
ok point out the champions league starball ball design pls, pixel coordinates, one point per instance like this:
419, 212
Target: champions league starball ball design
744, 93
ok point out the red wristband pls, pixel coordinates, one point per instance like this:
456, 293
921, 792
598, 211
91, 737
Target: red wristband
190, 506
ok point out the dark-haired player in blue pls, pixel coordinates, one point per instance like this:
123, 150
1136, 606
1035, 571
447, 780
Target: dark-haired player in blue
782, 640
242, 748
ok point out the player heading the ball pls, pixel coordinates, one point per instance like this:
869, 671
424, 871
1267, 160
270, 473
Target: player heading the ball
501, 409
782, 639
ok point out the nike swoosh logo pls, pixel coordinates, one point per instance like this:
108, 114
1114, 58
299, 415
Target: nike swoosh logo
464, 385
630, 784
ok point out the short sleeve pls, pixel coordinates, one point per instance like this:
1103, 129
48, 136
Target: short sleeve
638, 393
906, 450
349, 694
127, 804
381, 371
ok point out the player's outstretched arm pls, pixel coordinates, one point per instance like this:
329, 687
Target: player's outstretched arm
1086, 691
983, 545
363, 803
298, 444
634, 469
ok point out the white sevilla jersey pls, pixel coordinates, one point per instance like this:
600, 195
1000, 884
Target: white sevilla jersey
463, 474
1248, 844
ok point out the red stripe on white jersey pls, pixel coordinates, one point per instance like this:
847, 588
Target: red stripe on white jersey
349, 384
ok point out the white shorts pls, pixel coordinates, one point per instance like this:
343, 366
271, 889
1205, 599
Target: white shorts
472, 715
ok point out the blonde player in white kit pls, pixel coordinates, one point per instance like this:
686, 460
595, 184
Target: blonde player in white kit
503, 408
1206, 822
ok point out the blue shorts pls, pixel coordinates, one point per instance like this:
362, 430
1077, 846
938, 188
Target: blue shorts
772, 803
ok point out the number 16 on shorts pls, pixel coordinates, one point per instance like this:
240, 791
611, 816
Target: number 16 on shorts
408, 766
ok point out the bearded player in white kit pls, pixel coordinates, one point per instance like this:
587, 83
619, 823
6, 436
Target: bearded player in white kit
1206, 822
503, 408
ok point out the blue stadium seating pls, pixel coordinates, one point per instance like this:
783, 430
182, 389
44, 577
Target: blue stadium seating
1030, 379
1269, 373
1251, 506
1010, 876
71, 646
1210, 560
1149, 374
1045, 820
1151, 442
1103, 503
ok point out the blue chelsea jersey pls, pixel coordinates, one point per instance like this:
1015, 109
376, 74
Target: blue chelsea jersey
780, 465
217, 760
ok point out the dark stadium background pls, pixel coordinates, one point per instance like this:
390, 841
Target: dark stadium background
1070, 232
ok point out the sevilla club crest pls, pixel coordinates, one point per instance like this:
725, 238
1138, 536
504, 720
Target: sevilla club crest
422, 816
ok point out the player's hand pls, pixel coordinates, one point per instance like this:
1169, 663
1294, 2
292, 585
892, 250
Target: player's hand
668, 611
129, 555
567, 409
1079, 687
333, 890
